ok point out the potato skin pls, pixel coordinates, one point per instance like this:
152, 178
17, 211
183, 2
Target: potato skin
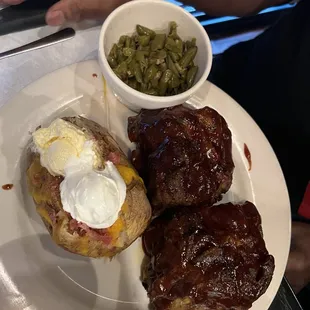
133, 217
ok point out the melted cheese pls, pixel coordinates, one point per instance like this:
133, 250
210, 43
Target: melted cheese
128, 174
43, 213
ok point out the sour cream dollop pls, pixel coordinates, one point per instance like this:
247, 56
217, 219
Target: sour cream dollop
92, 197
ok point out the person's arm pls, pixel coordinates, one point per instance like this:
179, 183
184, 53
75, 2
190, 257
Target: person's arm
233, 7
77, 10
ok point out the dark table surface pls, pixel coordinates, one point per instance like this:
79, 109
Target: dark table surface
285, 299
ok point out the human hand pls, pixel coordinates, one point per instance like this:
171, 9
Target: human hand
298, 267
75, 10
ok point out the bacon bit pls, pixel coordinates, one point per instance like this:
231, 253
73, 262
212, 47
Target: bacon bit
83, 226
247, 154
95, 234
115, 158
36, 179
73, 225
105, 237
101, 231
7, 187
53, 216
95, 75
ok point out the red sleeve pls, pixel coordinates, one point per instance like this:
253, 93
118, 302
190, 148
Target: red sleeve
304, 209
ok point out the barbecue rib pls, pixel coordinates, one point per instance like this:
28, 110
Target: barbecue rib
183, 155
206, 258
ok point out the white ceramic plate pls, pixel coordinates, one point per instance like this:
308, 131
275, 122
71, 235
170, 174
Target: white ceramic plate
37, 275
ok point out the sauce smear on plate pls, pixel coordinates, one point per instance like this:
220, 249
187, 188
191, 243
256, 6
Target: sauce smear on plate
247, 154
7, 187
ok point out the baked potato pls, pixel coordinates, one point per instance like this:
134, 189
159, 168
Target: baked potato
77, 237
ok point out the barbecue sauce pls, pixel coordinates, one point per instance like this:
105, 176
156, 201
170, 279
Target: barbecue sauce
247, 154
7, 187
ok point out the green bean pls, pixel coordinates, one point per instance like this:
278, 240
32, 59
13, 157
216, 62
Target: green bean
160, 61
143, 87
130, 58
173, 27
112, 62
181, 70
171, 45
117, 74
152, 92
163, 67
131, 68
161, 54
174, 81
127, 41
114, 51
158, 57
135, 38
121, 41
144, 40
140, 56
191, 75
156, 61
163, 82
145, 31
144, 48
120, 56
130, 74
183, 87
158, 42
138, 73
174, 46
173, 31
144, 65
155, 80
188, 44
121, 70
153, 61
132, 43
133, 83
174, 56
147, 48
171, 66
193, 42
150, 73
179, 46
128, 51
188, 57
185, 46
162, 88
